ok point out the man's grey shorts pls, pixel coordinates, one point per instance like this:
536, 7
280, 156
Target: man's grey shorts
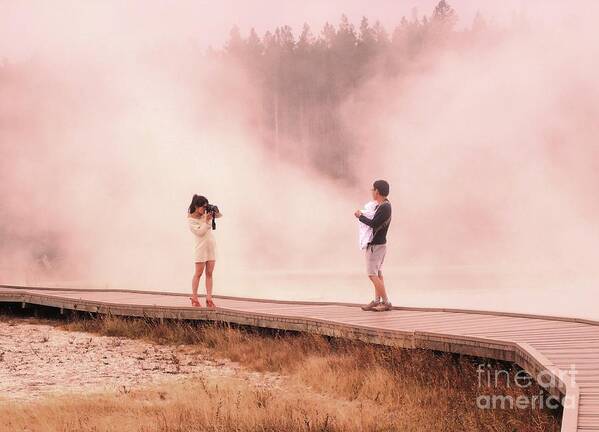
375, 255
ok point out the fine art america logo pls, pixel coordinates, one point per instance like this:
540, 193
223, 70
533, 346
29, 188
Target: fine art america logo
489, 378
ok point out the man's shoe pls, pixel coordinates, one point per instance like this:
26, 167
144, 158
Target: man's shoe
370, 306
382, 307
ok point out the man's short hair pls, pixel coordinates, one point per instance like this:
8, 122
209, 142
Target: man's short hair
382, 186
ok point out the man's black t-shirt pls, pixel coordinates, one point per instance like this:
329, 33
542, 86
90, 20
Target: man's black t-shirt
380, 222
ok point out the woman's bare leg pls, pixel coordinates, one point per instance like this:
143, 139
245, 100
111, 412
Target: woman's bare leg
209, 271
196, 279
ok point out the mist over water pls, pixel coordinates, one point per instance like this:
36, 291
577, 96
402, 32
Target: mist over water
491, 154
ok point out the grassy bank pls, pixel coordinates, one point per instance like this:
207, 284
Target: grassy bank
330, 385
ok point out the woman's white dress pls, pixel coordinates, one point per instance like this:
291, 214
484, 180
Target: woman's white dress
205, 243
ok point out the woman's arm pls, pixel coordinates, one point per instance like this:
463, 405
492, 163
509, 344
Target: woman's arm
199, 227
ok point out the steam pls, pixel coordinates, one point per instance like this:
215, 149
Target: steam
493, 152
490, 152
97, 191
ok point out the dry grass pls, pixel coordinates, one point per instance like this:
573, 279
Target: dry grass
333, 385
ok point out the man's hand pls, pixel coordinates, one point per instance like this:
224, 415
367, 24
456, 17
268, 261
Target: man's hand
358, 213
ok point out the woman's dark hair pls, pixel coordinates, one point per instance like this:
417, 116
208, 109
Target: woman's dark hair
197, 201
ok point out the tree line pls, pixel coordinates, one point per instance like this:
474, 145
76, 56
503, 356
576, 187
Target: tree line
303, 80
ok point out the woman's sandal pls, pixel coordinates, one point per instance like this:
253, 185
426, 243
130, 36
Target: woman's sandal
195, 302
210, 304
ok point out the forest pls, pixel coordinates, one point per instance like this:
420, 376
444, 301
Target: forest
304, 79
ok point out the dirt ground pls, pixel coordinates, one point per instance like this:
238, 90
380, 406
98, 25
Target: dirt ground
39, 359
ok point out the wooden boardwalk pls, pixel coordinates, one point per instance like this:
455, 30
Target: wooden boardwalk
547, 347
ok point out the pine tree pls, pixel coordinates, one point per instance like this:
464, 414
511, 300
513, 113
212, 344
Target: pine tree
444, 16
306, 39
235, 45
254, 46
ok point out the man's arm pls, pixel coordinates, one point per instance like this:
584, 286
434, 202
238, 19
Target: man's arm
383, 213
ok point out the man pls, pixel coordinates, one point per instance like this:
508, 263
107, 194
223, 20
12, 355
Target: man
376, 248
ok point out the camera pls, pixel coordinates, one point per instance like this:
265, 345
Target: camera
213, 210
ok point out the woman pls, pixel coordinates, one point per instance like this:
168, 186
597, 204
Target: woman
200, 224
